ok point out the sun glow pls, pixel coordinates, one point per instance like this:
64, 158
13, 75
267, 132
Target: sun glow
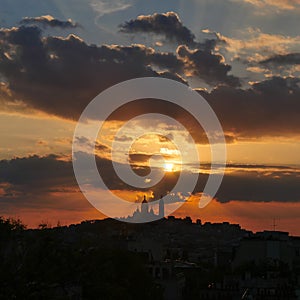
168, 167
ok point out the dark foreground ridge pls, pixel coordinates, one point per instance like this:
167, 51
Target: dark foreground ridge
167, 259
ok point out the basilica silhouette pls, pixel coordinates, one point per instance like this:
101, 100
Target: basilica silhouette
146, 213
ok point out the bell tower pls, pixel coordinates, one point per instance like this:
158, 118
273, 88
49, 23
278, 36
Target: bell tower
161, 207
145, 208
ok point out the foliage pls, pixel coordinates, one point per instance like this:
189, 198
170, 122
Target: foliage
52, 264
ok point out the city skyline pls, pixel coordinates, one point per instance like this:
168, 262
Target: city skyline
56, 57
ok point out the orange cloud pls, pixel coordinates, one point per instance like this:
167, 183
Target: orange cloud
277, 4
257, 45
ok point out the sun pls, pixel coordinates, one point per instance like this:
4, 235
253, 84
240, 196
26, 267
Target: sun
168, 167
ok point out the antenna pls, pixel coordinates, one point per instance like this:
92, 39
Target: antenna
274, 225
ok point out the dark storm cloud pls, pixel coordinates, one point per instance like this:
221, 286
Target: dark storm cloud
255, 186
38, 176
207, 66
269, 107
101, 147
201, 61
32, 182
136, 158
262, 167
42, 175
34, 173
167, 24
140, 158
246, 185
48, 21
277, 85
89, 145
285, 59
61, 75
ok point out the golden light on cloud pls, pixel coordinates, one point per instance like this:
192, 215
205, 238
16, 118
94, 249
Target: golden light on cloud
168, 151
256, 45
279, 4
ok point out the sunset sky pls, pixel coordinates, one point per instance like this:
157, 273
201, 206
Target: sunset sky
242, 56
